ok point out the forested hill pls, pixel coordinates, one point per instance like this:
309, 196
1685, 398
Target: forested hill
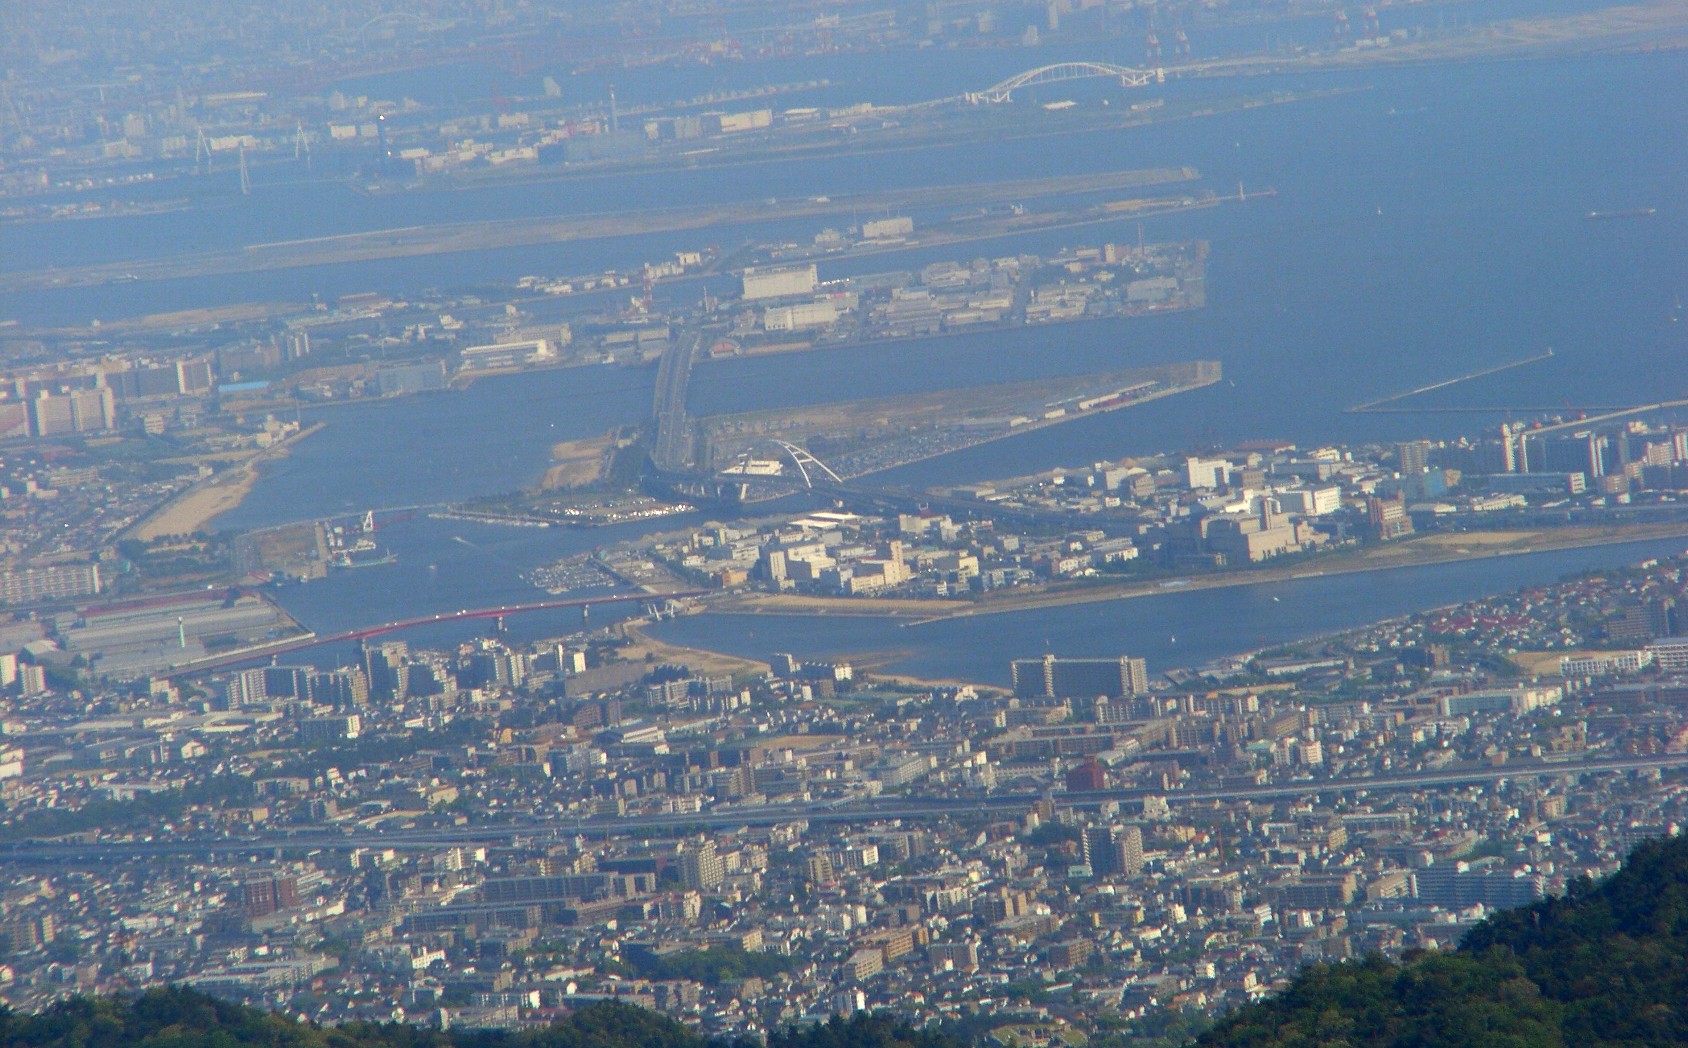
1605, 965
178, 1018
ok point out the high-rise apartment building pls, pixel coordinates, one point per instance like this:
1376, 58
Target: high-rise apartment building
1414, 456
385, 670
1112, 851
1058, 678
700, 867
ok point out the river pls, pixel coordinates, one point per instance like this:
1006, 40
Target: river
1172, 629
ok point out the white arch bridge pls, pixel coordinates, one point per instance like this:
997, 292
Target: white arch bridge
1063, 71
809, 468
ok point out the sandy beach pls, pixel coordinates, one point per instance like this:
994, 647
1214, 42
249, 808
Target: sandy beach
201, 503
697, 659
577, 463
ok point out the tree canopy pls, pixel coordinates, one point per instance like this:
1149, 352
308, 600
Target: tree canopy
1606, 964
713, 966
174, 1017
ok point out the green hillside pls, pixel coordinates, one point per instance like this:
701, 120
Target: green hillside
1605, 965
179, 1018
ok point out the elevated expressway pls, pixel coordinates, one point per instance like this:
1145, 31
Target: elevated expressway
867, 809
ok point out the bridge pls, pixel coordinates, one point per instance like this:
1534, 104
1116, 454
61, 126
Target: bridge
311, 640
814, 475
672, 450
799, 457
1064, 71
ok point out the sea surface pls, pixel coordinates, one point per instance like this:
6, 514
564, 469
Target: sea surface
1427, 227
1427, 224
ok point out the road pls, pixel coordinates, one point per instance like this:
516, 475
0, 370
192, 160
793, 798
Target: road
850, 811
672, 452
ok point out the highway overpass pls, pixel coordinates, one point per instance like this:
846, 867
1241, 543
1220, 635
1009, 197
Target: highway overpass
908, 808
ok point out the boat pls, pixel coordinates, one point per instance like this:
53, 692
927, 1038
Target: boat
350, 545
347, 561
1634, 212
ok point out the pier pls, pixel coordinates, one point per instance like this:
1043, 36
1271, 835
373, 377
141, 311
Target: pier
1610, 416
1377, 405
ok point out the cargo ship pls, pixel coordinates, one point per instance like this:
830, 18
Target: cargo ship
347, 560
1634, 212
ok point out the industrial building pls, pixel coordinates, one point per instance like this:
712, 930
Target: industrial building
506, 355
784, 282
887, 228
60, 582
800, 316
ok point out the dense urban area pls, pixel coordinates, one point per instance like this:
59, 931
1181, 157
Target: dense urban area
748, 850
